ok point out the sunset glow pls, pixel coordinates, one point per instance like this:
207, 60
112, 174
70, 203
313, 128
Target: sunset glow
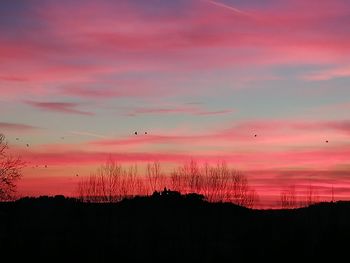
263, 86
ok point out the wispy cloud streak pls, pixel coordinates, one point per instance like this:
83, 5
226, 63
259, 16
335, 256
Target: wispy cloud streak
228, 7
62, 107
89, 134
18, 127
178, 110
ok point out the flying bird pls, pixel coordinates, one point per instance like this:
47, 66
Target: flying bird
27, 145
255, 135
135, 133
327, 141
145, 132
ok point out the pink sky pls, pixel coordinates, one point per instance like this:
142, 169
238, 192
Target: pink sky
77, 79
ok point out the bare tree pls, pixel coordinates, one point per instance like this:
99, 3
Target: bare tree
130, 182
10, 171
187, 178
111, 183
156, 179
217, 183
89, 189
193, 176
288, 198
312, 196
241, 193
252, 199
102, 185
176, 180
207, 181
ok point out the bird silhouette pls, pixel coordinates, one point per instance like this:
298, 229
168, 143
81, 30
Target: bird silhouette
135, 133
327, 141
27, 145
17, 139
145, 132
77, 175
255, 135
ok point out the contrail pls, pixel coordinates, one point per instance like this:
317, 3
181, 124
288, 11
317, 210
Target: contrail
227, 7
88, 134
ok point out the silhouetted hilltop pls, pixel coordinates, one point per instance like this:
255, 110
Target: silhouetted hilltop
168, 226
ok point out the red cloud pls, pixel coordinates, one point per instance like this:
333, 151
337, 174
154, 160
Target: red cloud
18, 127
13, 78
88, 48
118, 88
147, 139
343, 71
64, 107
268, 171
33, 185
178, 110
83, 157
322, 157
270, 132
275, 125
339, 125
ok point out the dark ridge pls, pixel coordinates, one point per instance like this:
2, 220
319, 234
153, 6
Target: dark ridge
168, 226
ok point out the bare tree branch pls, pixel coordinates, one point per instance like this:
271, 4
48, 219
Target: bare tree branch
10, 171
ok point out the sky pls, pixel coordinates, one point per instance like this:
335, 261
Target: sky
201, 77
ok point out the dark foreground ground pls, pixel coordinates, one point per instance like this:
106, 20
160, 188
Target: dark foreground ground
169, 229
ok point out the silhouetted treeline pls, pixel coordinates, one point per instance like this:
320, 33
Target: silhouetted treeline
169, 227
291, 199
113, 182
